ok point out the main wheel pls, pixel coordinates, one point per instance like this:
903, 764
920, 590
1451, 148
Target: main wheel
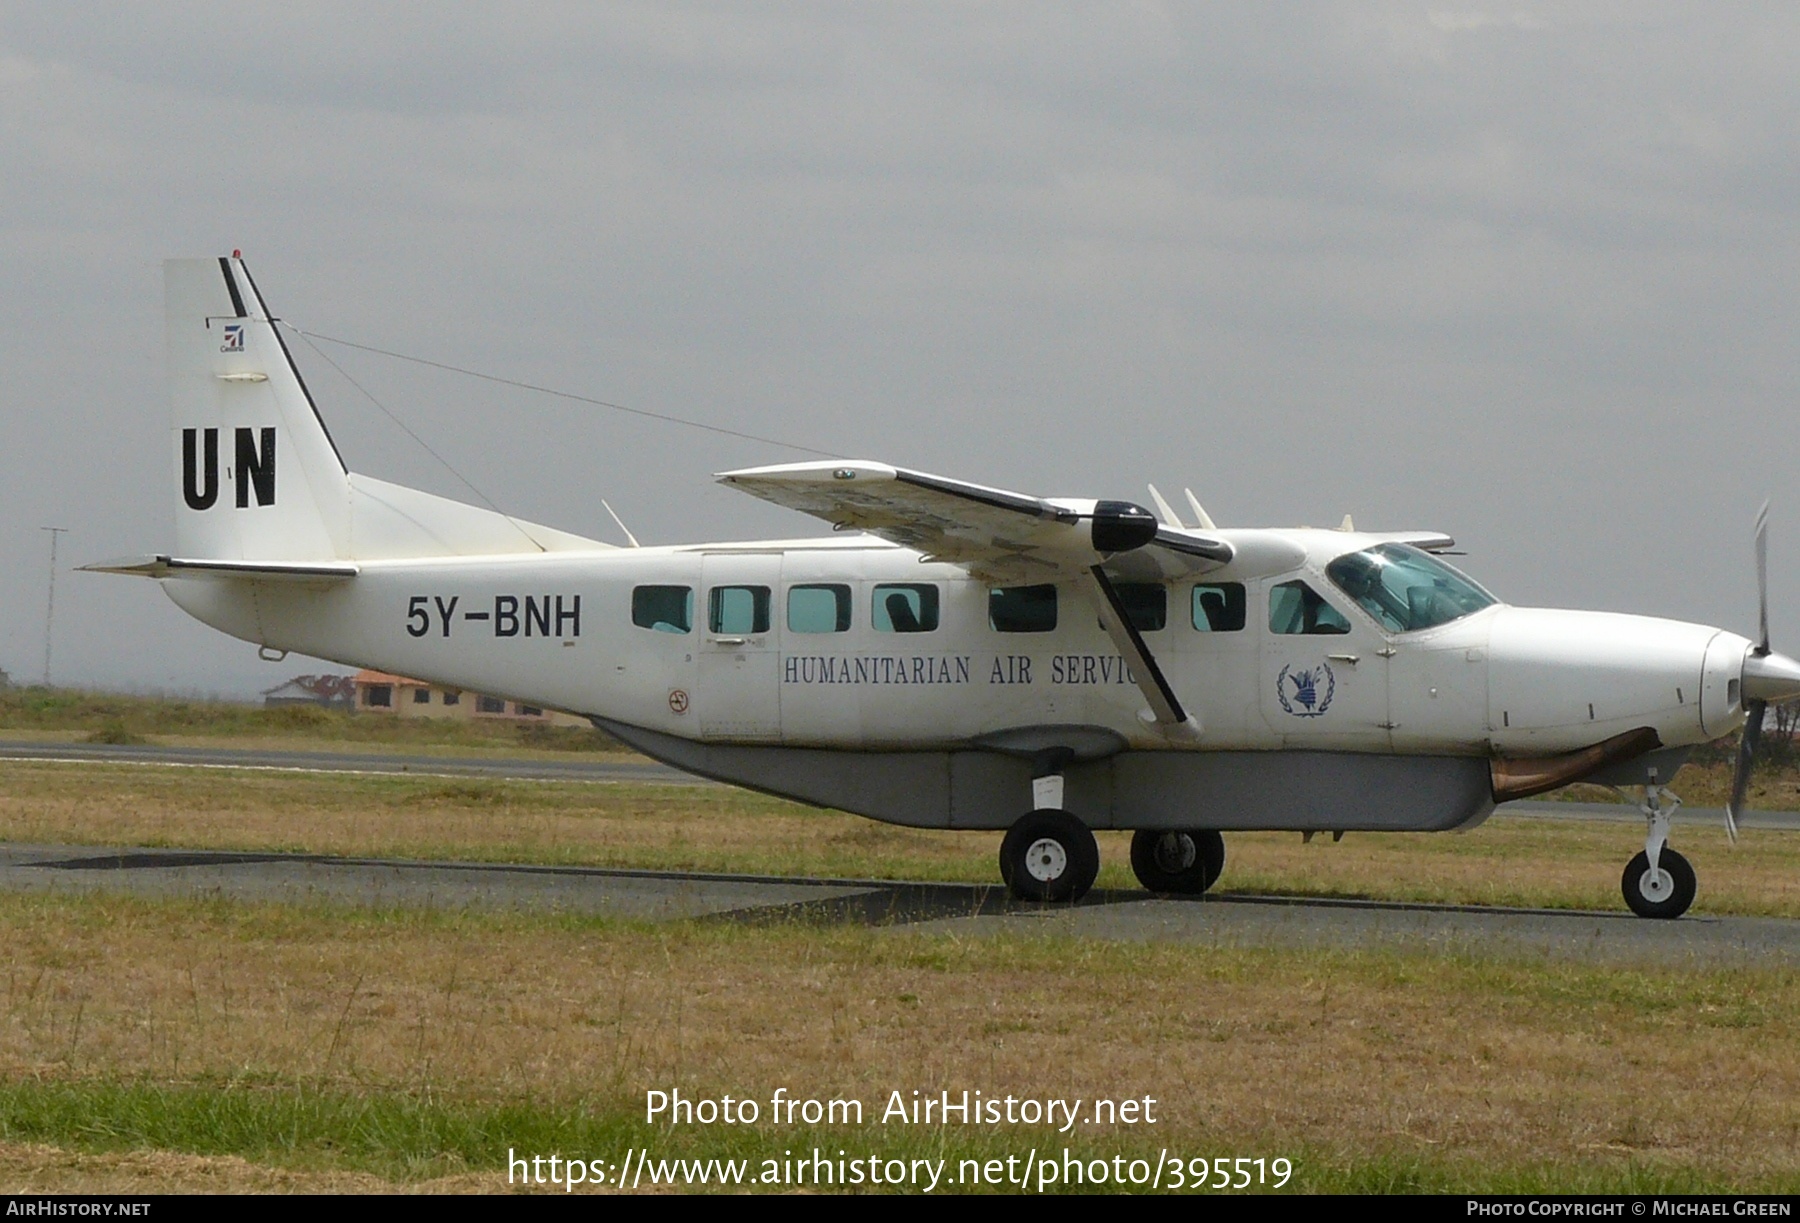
1049, 855
1182, 861
1668, 893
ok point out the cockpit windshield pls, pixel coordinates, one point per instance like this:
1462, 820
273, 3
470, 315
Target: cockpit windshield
1406, 589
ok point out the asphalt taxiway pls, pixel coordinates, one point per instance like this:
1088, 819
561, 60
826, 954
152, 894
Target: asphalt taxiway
967, 909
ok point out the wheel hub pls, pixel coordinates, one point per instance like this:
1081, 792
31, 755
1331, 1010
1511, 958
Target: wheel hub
1656, 886
1175, 852
1046, 860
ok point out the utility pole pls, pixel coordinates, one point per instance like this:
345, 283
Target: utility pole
50, 610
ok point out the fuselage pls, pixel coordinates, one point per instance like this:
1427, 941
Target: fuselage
849, 642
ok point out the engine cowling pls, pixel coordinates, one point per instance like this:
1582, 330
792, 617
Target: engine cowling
1121, 526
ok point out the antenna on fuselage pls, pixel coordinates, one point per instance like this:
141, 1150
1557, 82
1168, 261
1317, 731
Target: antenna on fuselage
1162, 507
622, 526
1205, 519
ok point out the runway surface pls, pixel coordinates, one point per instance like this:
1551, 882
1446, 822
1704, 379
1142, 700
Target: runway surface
965, 909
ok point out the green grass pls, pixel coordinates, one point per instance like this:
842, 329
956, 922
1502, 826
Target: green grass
409, 1137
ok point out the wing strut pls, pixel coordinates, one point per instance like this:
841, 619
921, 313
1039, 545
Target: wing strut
1150, 679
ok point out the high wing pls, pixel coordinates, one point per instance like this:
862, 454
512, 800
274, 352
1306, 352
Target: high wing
1006, 537
996, 535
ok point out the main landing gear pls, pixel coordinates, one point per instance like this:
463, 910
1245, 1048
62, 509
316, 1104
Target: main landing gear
1658, 882
1176, 860
1049, 855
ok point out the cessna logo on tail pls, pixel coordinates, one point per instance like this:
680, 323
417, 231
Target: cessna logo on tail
254, 467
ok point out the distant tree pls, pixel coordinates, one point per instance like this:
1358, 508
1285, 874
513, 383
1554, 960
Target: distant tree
1779, 727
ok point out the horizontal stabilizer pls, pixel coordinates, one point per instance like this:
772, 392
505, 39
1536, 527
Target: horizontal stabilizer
182, 567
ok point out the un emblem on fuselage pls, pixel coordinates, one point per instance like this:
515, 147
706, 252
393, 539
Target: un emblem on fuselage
1306, 693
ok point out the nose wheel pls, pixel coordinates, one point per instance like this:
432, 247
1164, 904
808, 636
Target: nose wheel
1666, 891
1658, 882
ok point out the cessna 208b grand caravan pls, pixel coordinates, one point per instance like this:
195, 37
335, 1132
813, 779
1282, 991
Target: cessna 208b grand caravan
953, 656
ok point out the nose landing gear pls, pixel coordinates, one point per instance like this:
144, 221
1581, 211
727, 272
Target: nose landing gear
1658, 882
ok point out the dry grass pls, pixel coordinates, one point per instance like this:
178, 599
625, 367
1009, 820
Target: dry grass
1510, 860
1706, 782
1519, 860
1370, 1069
1334, 1058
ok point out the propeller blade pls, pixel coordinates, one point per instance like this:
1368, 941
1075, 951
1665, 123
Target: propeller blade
1762, 575
1740, 776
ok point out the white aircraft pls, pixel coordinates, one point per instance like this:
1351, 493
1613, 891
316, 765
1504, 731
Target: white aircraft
954, 656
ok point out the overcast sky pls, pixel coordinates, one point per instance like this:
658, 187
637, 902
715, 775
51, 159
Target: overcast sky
1526, 274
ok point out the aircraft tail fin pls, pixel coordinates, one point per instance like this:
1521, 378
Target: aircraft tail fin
257, 475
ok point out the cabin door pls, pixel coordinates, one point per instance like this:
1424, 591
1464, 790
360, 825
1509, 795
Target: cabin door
1324, 669
737, 689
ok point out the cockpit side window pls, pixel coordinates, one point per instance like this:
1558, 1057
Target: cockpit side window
1297, 609
1405, 589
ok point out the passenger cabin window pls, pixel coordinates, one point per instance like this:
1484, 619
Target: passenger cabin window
1296, 608
818, 609
1022, 609
1219, 607
1146, 604
666, 609
738, 609
910, 607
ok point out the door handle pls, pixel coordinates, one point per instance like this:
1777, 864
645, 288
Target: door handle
1349, 658
730, 640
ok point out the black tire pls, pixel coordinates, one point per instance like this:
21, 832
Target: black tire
1180, 861
1049, 856
1645, 898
